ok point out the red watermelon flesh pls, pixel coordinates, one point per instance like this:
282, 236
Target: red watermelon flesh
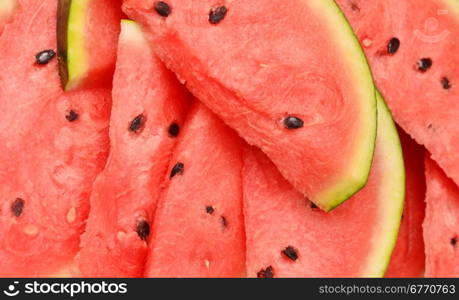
52, 145
408, 258
441, 226
287, 236
289, 77
7, 10
198, 229
419, 80
149, 106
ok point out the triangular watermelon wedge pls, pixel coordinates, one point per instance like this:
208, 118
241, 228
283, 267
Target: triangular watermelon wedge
287, 236
199, 228
412, 48
441, 225
408, 258
52, 145
7, 10
149, 106
289, 77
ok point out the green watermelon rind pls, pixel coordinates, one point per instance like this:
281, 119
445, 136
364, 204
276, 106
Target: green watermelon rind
395, 189
358, 173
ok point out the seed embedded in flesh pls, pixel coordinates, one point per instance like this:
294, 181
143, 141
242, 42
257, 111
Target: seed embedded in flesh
17, 207
210, 210
424, 64
454, 241
44, 57
177, 169
292, 122
143, 229
162, 8
291, 253
72, 116
223, 221
266, 273
445, 83
174, 130
393, 46
216, 15
137, 124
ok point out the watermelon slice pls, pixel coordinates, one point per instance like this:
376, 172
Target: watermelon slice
441, 226
411, 46
408, 258
7, 9
149, 106
87, 34
287, 236
199, 228
52, 145
289, 77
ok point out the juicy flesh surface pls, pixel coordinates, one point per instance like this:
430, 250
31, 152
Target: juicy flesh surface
441, 225
46, 160
354, 240
92, 36
127, 190
189, 241
253, 76
419, 101
408, 259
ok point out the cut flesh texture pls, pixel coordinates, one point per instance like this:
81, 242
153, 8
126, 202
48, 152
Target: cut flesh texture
354, 240
408, 258
423, 103
268, 60
125, 194
87, 36
7, 9
199, 227
48, 164
441, 226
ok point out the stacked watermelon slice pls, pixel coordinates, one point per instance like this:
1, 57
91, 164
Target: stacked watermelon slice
237, 139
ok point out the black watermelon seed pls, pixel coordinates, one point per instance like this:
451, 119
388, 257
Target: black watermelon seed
17, 207
393, 46
137, 124
454, 241
216, 15
71, 116
266, 273
143, 229
290, 253
223, 221
293, 122
210, 210
424, 64
177, 169
445, 83
162, 8
44, 57
312, 205
174, 130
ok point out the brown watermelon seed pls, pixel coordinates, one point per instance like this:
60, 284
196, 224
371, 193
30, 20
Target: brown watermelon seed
312, 205
17, 207
71, 116
174, 130
162, 8
177, 169
223, 221
355, 7
143, 229
424, 64
137, 124
210, 210
454, 241
44, 57
445, 83
292, 122
393, 46
216, 15
291, 253
266, 273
